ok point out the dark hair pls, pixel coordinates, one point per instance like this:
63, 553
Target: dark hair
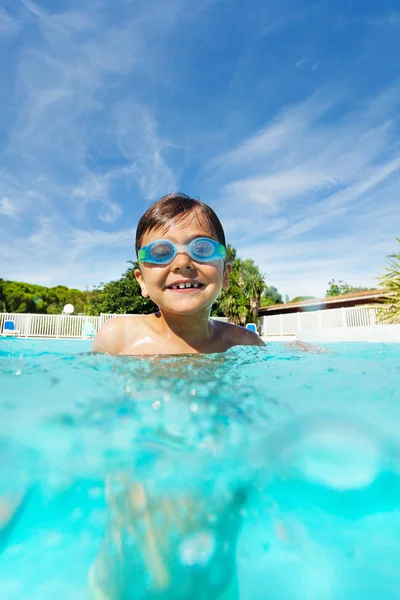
175, 207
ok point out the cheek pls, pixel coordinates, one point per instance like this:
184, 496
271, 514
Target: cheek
214, 273
152, 278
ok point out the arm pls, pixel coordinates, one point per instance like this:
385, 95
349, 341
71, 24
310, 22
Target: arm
110, 337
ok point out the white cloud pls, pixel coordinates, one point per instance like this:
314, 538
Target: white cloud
55, 253
313, 159
338, 203
68, 119
97, 188
301, 268
8, 25
272, 190
302, 190
7, 208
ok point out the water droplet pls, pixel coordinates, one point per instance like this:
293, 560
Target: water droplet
193, 407
156, 405
197, 549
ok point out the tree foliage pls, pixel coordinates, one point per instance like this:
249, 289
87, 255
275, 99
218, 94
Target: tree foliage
338, 288
302, 298
21, 297
390, 281
247, 284
271, 296
122, 296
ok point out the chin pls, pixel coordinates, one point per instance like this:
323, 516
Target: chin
186, 309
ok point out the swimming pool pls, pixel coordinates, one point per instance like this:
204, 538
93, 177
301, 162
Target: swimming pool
288, 459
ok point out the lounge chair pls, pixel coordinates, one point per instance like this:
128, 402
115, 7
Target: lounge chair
252, 327
9, 329
88, 331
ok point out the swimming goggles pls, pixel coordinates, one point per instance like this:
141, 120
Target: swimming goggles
162, 252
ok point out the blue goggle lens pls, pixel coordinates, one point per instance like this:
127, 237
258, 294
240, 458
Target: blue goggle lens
161, 251
203, 248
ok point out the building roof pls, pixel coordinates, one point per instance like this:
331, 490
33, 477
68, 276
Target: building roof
352, 299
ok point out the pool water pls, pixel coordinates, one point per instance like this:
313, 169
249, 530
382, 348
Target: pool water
171, 474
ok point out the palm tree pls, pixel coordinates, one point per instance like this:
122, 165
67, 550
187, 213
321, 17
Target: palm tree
391, 284
229, 302
247, 284
253, 285
243, 311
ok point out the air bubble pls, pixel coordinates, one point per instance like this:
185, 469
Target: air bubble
197, 549
339, 456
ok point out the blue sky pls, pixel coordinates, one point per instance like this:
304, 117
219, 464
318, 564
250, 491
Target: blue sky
283, 115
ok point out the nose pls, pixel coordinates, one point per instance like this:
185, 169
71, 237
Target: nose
182, 262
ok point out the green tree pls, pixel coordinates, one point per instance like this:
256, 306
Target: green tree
390, 281
230, 254
302, 298
242, 300
22, 297
253, 282
2, 299
271, 296
122, 296
338, 288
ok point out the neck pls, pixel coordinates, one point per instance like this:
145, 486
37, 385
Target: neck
193, 329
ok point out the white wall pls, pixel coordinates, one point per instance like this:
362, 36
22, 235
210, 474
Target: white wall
354, 324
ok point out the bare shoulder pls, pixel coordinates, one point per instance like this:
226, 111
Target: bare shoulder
239, 336
113, 334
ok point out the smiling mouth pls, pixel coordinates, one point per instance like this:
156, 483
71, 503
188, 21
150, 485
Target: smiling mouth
185, 286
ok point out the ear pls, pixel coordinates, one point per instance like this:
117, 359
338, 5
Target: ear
227, 274
140, 280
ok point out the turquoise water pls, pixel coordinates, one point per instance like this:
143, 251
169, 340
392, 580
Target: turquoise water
282, 460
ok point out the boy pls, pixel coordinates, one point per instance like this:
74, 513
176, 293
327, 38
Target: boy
180, 245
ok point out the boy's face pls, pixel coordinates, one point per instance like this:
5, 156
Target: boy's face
156, 281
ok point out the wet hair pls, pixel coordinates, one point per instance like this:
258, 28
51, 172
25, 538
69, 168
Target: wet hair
175, 208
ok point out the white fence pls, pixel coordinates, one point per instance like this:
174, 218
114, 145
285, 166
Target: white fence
80, 326
291, 324
57, 326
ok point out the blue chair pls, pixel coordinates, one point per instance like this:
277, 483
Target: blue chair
88, 331
252, 327
9, 328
